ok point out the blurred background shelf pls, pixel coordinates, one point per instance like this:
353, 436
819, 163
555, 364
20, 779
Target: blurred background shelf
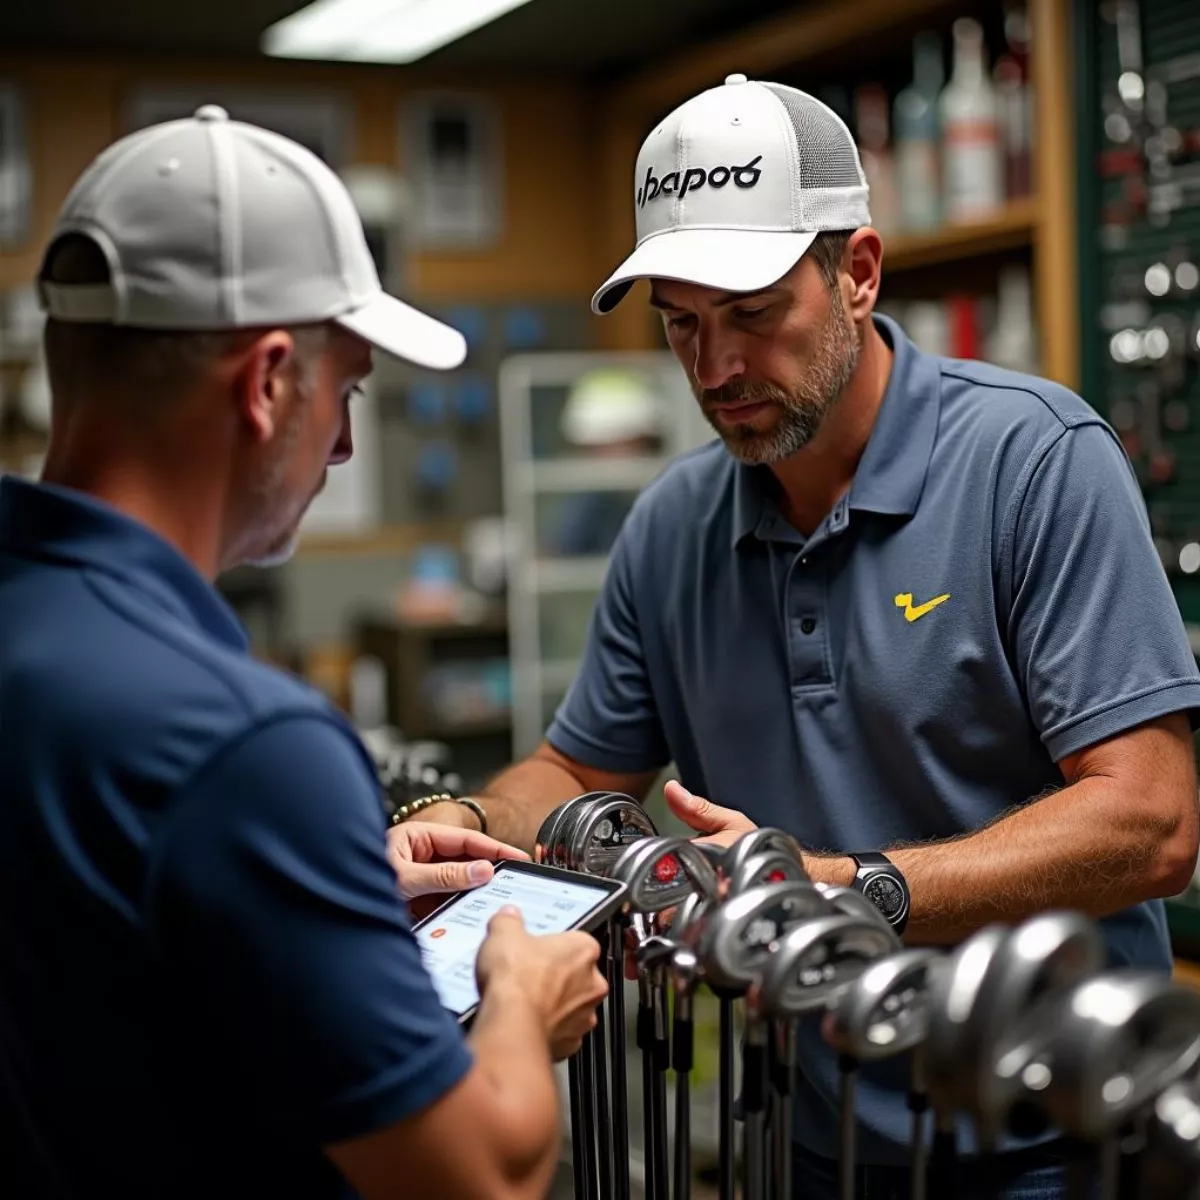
1010, 228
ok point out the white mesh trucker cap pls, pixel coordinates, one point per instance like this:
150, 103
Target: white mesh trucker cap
734, 186
213, 224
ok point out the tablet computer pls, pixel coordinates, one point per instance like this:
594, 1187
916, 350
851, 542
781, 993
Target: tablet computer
551, 900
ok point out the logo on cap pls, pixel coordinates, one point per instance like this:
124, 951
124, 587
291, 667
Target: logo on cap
679, 184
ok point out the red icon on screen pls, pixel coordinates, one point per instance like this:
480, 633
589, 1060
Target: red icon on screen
437, 933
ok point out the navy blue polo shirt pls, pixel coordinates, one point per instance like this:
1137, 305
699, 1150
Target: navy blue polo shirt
206, 972
985, 600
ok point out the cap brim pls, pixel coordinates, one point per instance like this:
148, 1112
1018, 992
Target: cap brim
734, 260
407, 333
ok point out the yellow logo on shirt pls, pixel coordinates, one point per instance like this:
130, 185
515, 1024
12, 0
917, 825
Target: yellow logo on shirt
904, 601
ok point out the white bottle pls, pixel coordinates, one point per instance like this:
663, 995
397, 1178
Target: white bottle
972, 149
1013, 340
918, 138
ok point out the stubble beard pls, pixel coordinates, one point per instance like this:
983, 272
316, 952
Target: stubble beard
801, 411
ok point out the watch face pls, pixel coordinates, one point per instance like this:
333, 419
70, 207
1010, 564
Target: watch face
886, 894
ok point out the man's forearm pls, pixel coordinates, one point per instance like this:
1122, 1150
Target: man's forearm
518, 800
1089, 847
510, 1048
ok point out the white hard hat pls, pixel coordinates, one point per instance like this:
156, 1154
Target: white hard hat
611, 404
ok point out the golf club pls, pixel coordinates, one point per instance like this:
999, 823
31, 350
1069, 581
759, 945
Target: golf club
1171, 1162
885, 1012
813, 962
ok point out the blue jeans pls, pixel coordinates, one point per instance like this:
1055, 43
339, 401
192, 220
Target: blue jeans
1038, 1173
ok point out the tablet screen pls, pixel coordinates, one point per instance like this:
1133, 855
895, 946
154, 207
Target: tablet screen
450, 939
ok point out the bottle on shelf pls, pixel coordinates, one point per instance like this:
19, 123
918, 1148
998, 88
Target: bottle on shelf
917, 138
973, 165
1014, 95
1012, 343
871, 121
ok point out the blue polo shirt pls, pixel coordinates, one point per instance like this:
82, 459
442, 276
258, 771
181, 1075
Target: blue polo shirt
206, 972
985, 600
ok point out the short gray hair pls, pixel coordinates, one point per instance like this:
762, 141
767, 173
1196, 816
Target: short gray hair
828, 251
149, 365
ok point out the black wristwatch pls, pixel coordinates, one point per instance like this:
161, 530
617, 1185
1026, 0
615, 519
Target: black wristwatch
881, 881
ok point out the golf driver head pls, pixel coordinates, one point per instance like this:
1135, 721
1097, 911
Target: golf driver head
816, 960
885, 1011
732, 940
1042, 958
755, 841
954, 993
1120, 1039
602, 833
544, 846
662, 872
769, 866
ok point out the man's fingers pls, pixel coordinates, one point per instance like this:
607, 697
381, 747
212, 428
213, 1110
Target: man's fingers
447, 841
703, 815
424, 879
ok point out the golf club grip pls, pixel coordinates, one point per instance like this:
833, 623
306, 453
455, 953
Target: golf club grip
645, 1030
683, 1134
848, 1151
943, 1163
578, 1155
754, 1078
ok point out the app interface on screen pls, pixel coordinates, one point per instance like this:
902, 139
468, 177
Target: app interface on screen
450, 942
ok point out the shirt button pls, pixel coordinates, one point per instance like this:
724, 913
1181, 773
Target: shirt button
808, 624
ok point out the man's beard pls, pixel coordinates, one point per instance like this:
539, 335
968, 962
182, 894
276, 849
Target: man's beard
801, 411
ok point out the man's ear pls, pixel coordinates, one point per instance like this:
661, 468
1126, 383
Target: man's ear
260, 381
862, 263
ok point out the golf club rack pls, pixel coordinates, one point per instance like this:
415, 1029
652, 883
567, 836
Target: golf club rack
1020, 1031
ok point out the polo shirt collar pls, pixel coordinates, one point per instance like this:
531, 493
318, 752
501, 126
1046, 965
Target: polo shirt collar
891, 473
47, 522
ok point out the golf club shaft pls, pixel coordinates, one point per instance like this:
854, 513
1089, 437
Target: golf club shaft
754, 1104
846, 1132
662, 1063
587, 1087
725, 1103
1108, 1162
1081, 1177
578, 1154
616, 1038
604, 1145
944, 1160
781, 1150
650, 1131
683, 1045
918, 1104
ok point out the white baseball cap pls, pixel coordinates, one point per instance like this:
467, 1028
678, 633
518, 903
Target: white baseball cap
213, 224
734, 186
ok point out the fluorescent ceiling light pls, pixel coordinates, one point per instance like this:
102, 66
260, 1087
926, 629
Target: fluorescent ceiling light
379, 31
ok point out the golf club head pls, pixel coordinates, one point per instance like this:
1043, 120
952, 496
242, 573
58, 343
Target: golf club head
816, 960
885, 1011
545, 833
549, 838
1120, 1039
954, 992
603, 832
686, 914
662, 872
731, 940
1171, 1160
755, 841
850, 903
1042, 958
769, 866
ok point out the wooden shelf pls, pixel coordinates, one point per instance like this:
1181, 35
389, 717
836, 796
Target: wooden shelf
382, 542
1009, 229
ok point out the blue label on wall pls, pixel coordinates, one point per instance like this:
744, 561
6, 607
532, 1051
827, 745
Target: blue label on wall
524, 329
473, 399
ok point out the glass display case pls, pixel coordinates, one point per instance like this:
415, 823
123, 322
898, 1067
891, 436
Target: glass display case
582, 435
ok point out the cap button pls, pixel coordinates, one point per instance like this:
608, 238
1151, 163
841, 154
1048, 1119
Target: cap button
211, 112
738, 77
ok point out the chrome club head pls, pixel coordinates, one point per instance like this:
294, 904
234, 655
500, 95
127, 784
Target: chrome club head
663, 872
885, 1011
755, 841
603, 832
850, 903
816, 959
769, 866
732, 940
549, 839
1120, 1039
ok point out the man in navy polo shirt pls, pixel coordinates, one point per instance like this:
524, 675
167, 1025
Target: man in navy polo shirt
209, 985
909, 606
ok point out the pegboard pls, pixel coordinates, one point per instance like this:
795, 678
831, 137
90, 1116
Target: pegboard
1139, 191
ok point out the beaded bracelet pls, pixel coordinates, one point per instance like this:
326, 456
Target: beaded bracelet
405, 811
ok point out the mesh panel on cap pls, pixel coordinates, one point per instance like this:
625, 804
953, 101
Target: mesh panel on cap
827, 155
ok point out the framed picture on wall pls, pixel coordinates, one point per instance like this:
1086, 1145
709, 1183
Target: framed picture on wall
453, 159
323, 123
16, 171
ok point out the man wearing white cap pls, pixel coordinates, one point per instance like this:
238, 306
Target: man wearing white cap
906, 608
209, 985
